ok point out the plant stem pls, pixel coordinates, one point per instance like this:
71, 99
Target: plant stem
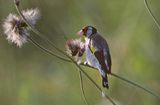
136, 85
152, 15
82, 88
130, 82
46, 50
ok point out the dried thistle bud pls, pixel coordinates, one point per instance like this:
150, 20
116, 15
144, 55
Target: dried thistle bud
15, 28
75, 47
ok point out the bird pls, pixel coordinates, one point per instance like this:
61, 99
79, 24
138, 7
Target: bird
97, 52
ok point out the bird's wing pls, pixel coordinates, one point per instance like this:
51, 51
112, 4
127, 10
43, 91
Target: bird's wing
99, 52
102, 46
108, 59
100, 57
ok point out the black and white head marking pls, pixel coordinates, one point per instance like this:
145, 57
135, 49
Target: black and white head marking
90, 31
87, 31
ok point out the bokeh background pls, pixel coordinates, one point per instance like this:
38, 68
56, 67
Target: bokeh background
28, 76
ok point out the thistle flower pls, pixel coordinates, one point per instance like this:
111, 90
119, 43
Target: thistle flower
31, 15
75, 47
15, 28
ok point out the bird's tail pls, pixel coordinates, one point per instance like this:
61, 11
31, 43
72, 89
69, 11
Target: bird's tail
103, 70
105, 82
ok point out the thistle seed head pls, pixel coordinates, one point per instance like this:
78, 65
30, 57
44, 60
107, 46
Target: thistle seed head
31, 15
16, 30
75, 47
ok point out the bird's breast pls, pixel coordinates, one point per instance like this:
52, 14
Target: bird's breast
91, 59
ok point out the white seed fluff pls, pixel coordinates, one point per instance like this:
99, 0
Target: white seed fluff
16, 30
31, 15
14, 33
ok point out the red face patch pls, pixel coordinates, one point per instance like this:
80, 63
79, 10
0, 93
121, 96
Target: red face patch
85, 30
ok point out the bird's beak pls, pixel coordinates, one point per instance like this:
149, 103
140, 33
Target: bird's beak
80, 33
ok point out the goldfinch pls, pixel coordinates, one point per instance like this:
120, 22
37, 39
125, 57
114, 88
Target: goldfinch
97, 52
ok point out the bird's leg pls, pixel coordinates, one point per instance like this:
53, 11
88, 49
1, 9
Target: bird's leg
79, 61
82, 63
85, 63
109, 71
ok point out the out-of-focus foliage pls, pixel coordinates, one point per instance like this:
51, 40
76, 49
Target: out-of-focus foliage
28, 76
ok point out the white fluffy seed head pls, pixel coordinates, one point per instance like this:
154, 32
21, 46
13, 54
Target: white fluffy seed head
14, 31
31, 15
75, 47
9, 23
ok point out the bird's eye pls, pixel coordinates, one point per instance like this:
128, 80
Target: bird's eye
84, 30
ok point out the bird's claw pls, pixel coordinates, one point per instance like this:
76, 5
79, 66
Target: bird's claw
85, 63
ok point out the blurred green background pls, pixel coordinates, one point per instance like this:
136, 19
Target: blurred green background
28, 76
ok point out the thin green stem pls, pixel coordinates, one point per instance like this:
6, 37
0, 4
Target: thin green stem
82, 87
152, 15
46, 50
136, 84
129, 82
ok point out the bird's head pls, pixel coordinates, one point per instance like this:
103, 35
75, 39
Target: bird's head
87, 31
